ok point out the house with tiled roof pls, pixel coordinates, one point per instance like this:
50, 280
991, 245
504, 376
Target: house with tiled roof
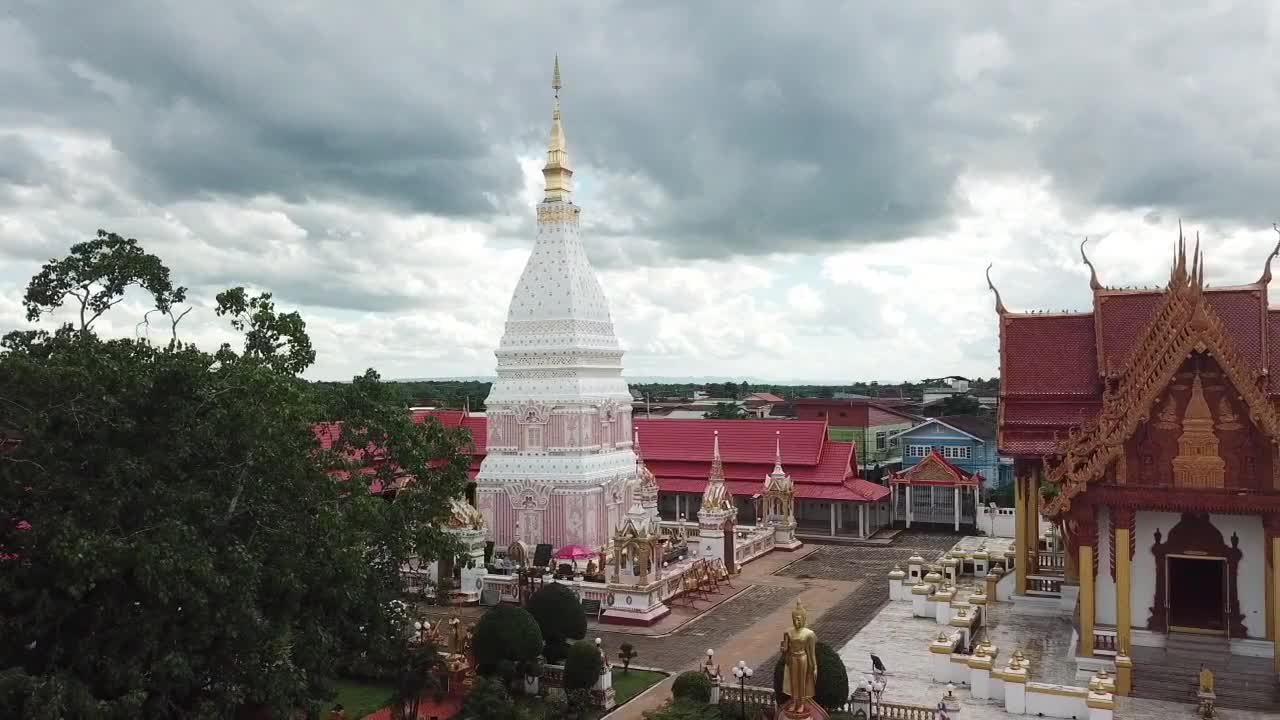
864, 421
967, 441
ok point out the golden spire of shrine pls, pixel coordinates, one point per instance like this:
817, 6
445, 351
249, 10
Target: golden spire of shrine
556, 172
1198, 464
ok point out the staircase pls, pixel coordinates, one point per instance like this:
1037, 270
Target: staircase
1172, 673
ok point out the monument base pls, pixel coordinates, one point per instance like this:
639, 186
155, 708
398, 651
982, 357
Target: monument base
641, 618
810, 711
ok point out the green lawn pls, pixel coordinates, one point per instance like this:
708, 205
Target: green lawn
360, 698
630, 684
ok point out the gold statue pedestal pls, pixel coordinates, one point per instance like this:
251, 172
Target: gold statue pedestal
810, 711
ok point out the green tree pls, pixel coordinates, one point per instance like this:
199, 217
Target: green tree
960, 405
505, 634
627, 653
692, 685
96, 274
582, 666
725, 411
194, 549
560, 618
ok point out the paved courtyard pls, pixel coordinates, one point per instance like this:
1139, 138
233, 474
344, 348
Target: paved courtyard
901, 641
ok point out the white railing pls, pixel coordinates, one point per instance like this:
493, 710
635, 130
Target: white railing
751, 543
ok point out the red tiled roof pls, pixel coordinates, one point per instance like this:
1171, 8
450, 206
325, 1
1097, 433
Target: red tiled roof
1124, 315
1052, 413
767, 397
741, 441
1048, 355
854, 489
1049, 363
1273, 349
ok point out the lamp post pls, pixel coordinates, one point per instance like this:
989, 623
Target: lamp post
742, 672
877, 693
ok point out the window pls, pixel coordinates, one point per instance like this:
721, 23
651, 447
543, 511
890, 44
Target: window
952, 452
918, 451
882, 440
533, 437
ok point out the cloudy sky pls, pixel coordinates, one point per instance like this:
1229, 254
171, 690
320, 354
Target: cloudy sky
768, 189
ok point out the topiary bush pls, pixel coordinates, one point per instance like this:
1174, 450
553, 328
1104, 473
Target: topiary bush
832, 687
692, 685
560, 617
583, 666
505, 634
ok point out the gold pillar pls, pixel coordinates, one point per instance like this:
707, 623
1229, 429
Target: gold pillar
1031, 497
1124, 674
1020, 534
1275, 602
1086, 600
1123, 622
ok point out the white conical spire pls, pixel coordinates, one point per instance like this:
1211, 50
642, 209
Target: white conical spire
559, 414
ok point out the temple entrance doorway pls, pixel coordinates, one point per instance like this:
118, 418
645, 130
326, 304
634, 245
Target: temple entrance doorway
1197, 594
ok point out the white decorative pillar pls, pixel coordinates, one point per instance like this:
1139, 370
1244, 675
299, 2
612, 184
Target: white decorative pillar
908, 507
956, 496
717, 513
833, 518
779, 502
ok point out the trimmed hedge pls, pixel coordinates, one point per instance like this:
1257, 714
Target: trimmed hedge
583, 666
832, 687
505, 635
692, 685
560, 617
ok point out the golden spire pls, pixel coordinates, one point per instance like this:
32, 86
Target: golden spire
556, 172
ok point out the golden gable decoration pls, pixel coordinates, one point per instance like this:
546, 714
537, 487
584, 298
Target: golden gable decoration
1183, 324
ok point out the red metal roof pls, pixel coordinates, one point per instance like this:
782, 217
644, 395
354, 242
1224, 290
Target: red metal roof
678, 452
741, 441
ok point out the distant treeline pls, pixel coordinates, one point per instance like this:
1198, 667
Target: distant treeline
460, 394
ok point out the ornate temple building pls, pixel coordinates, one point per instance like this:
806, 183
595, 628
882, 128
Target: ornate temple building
1146, 431
558, 463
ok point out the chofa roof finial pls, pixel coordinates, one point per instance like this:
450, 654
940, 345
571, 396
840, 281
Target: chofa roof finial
999, 303
1093, 274
1266, 271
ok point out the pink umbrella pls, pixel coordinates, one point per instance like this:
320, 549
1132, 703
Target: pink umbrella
574, 552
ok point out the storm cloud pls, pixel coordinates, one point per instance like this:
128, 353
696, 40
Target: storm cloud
729, 132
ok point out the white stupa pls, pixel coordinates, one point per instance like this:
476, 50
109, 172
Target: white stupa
559, 466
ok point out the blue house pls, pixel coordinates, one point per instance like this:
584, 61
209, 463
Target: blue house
966, 441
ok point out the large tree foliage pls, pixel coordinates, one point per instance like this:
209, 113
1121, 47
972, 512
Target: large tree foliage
174, 540
560, 618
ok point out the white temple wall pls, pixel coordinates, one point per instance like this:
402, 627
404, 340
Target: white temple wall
1104, 593
1252, 572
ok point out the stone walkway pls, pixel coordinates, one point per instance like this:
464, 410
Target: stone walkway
901, 641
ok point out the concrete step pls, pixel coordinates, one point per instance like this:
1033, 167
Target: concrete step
1246, 686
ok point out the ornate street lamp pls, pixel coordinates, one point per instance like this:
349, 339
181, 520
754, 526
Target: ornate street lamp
742, 672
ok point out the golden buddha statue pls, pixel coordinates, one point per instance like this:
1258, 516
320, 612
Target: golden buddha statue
1206, 680
800, 671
